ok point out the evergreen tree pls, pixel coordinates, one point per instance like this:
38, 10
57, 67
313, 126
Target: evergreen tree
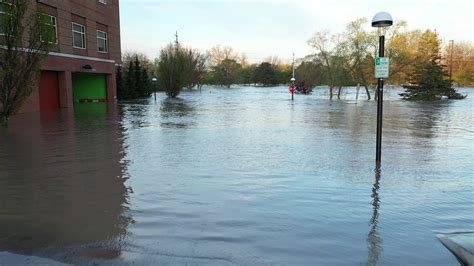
283, 75
430, 79
134, 81
144, 83
430, 82
137, 77
130, 82
245, 75
120, 84
142, 87
265, 74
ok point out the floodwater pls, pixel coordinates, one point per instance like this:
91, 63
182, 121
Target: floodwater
238, 176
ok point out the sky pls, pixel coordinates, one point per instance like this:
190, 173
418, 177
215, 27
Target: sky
263, 28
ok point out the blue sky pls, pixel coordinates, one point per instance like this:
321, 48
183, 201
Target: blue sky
266, 28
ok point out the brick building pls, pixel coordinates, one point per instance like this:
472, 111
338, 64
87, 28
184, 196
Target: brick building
82, 63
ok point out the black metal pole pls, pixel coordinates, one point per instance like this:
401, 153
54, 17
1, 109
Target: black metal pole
378, 155
154, 88
292, 96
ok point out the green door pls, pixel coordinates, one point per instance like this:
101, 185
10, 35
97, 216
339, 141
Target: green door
89, 87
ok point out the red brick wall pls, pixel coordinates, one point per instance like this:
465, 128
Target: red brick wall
32, 103
94, 16
91, 13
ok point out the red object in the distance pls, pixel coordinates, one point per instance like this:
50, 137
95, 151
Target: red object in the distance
292, 88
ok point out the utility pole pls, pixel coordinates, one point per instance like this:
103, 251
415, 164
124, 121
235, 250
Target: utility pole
451, 63
176, 42
175, 58
293, 66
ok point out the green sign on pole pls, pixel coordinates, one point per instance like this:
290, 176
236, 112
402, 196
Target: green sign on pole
382, 67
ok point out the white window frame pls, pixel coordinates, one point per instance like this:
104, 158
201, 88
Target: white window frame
103, 2
5, 13
83, 34
104, 39
55, 26
6, 3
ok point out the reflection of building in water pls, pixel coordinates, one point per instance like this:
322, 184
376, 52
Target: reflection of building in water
62, 185
374, 241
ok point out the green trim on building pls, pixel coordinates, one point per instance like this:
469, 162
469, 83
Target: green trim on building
88, 86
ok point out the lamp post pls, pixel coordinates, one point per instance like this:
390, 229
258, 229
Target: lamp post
154, 80
292, 88
292, 85
381, 20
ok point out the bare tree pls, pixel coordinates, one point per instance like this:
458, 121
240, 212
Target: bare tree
26, 39
460, 60
358, 48
173, 69
273, 60
321, 42
130, 56
196, 67
243, 60
180, 67
400, 48
219, 54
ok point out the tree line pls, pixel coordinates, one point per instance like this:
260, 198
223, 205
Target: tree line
338, 60
416, 61
180, 67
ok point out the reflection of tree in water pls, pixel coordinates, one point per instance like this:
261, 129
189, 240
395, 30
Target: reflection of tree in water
374, 241
176, 113
424, 117
135, 114
62, 191
349, 117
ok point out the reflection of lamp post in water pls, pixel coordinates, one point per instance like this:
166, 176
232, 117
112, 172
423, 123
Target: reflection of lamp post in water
374, 240
154, 80
381, 20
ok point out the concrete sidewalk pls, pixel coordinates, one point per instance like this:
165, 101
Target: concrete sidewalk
461, 245
7, 258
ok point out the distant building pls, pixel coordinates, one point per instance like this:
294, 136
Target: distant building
82, 63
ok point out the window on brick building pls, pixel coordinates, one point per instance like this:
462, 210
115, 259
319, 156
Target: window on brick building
102, 43
5, 13
78, 36
51, 27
